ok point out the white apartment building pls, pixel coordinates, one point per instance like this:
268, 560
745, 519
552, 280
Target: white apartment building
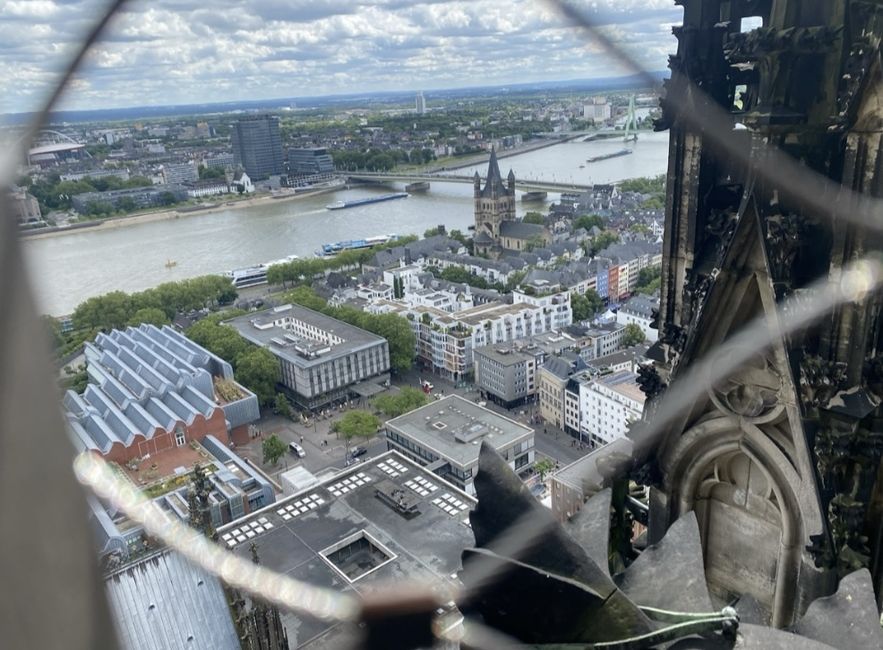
639, 311
409, 274
446, 301
445, 341
608, 405
557, 305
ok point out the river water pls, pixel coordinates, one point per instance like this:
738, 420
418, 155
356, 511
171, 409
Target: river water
67, 269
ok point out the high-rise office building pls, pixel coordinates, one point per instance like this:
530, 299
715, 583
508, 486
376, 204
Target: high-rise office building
313, 160
421, 103
257, 146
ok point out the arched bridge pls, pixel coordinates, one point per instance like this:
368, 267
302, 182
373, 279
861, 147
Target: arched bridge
520, 183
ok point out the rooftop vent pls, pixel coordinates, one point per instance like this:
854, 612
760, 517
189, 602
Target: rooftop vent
404, 503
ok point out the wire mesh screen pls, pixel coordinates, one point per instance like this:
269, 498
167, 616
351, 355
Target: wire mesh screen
47, 552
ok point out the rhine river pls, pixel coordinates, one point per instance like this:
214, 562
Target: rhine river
66, 269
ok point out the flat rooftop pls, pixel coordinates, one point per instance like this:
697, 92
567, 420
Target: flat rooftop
267, 329
505, 353
454, 427
382, 521
476, 315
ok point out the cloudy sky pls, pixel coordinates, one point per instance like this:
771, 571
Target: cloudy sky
190, 51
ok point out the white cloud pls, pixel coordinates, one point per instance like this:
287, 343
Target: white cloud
185, 51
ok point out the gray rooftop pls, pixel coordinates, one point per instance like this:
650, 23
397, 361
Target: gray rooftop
292, 534
504, 354
147, 379
266, 328
641, 305
616, 358
521, 230
165, 603
454, 428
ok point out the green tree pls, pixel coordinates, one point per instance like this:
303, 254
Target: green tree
588, 221
645, 185
210, 172
273, 449
534, 217
602, 241
407, 399
219, 339
400, 337
152, 315
166, 198
76, 379
281, 406
305, 297
356, 424
596, 302
585, 307
459, 274
543, 466
126, 204
537, 241
648, 279
633, 335
258, 370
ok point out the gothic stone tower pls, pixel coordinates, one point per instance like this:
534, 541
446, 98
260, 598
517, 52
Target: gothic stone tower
781, 463
493, 205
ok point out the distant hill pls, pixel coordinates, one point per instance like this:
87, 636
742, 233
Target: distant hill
359, 99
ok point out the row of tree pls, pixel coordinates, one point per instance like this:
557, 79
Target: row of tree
55, 194
380, 161
310, 268
460, 275
158, 305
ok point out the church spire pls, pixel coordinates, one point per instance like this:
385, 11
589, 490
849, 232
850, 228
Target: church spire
493, 169
493, 186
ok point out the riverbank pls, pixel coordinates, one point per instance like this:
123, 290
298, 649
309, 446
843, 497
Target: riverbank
476, 159
114, 223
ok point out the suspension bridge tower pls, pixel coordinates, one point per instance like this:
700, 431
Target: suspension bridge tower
631, 123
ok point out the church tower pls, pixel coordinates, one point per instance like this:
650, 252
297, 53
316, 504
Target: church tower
781, 462
494, 204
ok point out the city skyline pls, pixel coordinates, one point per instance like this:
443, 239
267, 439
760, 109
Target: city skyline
178, 52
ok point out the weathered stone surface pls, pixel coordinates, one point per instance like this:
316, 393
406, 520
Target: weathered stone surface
590, 527
536, 606
848, 619
504, 501
670, 575
750, 637
751, 611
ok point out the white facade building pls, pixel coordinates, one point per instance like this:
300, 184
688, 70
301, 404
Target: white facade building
639, 311
608, 405
445, 341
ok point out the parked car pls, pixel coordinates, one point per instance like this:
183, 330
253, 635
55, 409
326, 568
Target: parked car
296, 449
355, 452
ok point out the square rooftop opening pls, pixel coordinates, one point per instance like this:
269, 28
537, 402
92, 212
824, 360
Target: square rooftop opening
357, 555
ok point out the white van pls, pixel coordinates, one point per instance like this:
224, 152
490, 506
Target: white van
296, 449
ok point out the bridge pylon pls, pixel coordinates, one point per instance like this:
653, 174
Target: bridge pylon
631, 122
